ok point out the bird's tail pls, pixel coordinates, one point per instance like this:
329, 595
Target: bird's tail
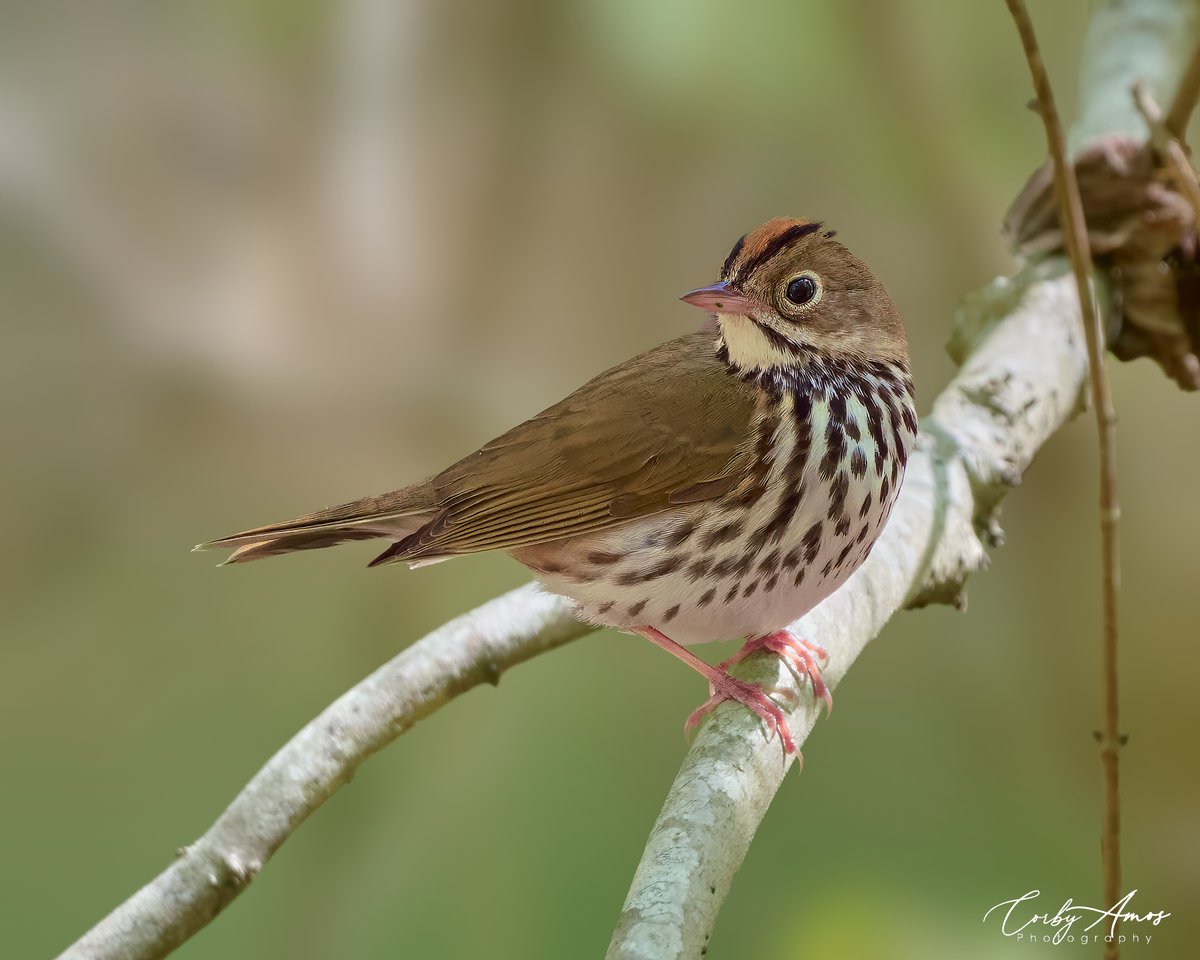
393, 515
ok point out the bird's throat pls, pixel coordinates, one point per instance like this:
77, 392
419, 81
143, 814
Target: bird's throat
753, 345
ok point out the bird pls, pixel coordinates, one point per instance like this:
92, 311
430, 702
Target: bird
717, 486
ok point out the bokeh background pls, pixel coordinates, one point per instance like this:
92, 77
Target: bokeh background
257, 257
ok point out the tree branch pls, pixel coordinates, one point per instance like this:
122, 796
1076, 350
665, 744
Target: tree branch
1185, 98
1022, 381
473, 649
1151, 41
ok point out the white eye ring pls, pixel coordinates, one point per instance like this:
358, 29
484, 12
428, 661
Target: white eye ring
804, 290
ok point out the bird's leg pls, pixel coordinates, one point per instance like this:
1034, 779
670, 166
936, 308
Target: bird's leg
799, 654
725, 687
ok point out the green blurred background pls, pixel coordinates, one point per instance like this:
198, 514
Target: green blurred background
258, 257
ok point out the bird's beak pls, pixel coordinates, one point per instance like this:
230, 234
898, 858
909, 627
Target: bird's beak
720, 298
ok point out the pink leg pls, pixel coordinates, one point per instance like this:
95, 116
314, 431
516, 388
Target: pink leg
725, 687
799, 654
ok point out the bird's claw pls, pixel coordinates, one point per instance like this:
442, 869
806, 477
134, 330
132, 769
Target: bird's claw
800, 655
753, 699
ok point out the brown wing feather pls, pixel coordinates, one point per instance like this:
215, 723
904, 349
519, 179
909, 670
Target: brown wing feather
665, 428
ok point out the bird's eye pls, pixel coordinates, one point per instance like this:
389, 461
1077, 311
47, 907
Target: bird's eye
803, 290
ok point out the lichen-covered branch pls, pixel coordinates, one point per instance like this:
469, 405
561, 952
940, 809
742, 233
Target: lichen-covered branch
1024, 369
1021, 380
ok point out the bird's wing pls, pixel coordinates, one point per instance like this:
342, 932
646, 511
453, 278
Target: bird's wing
666, 428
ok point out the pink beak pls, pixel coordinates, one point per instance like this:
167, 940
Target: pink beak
720, 298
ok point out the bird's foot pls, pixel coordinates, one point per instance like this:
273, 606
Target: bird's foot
724, 687
799, 654
752, 698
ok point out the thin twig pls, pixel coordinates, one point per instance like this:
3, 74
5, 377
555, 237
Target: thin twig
1185, 97
1171, 153
1075, 233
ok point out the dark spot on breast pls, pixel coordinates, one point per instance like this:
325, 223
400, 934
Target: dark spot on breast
743, 564
660, 569
799, 578
837, 409
751, 495
862, 534
767, 428
800, 451
884, 489
858, 463
843, 526
835, 449
812, 542
603, 558
828, 568
897, 439
874, 414
638, 607
707, 597
770, 582
699, 568
733, 592
770, 561
802, 445
774, 529
875, 428
844, 554
680, 534
866, 507
852, 429
722, 534
723, 567
837, 496
792, 558
751, 589
670, 614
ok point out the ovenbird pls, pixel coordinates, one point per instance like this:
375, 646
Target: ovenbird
717, 486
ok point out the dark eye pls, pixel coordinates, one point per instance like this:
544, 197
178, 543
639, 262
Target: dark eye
802, 290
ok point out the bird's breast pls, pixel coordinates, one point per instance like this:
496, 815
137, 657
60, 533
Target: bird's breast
825, 471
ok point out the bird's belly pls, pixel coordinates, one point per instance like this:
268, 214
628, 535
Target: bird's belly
702, 576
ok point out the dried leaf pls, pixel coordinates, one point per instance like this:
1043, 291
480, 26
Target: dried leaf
1143, 237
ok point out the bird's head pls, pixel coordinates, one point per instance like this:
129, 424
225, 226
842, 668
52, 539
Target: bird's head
789, 290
